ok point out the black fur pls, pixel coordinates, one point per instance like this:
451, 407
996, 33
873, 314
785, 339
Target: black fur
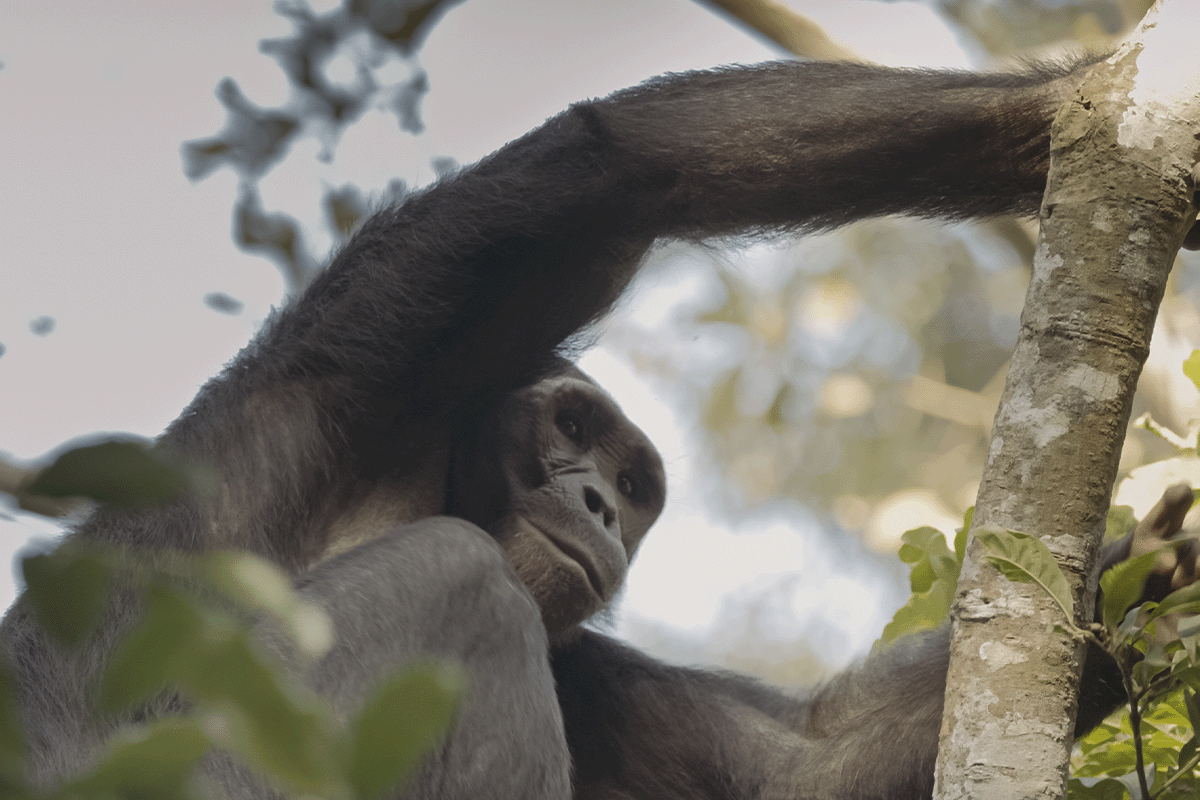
334, 432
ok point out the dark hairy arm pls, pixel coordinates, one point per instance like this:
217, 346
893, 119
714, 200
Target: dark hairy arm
397, 342
871, 731
637, 727
556, 222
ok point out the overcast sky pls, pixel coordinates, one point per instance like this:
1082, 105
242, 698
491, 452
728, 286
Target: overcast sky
101, 232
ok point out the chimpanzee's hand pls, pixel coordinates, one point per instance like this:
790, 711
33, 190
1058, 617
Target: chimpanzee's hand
1177, 565
1102, 689
1192, 240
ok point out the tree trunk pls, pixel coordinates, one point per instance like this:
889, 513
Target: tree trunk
1118, 204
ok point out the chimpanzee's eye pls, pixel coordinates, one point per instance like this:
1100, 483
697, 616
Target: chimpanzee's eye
570, 426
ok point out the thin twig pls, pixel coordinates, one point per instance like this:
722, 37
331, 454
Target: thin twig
1185, 769
783, 26
1135, 725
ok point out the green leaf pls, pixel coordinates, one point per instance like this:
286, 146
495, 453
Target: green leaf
914, 551
407, 717
918, 542
247, 702
156, 654
1131, 624
259, 585
1097, 789
67, 590
1191, 367
921, 612
926, 549
1145, 671
933, 579
1180, 601
261, 719
121, 472
1188, 676
1024, 559
1193, 709
1123, 585
1119, 521
153, 761
1186, 752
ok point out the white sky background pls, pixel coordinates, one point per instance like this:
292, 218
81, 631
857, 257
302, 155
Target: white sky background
100, 230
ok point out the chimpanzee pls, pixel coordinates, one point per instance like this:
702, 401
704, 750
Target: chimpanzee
410, 441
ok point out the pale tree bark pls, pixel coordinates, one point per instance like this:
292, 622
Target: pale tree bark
1117, 207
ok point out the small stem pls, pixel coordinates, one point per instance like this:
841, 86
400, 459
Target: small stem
1160, 686
1135, 725
1179, 773
1147, 422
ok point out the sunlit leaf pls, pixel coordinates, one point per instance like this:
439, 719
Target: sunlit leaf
933, 579
251, 580
240, 700
928, 545
396, 728
1123, 585
1097, 789
1023, 558
921, 612
1119, 521
1191, 367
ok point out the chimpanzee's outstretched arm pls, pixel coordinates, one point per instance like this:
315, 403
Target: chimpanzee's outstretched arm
468, 288
637, 727
494, 267
640, 728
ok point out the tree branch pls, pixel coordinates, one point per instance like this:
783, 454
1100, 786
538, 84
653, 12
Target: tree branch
797, 34
1118, 204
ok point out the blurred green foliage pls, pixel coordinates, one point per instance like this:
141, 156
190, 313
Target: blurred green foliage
194, 639
933, 578
1161, 669
1149, 750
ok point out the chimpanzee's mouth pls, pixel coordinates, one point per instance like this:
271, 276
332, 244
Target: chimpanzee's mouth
573, 553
